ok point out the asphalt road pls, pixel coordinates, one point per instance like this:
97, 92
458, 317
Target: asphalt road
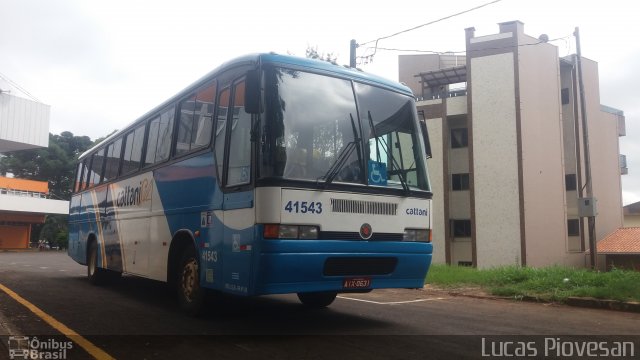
138, 319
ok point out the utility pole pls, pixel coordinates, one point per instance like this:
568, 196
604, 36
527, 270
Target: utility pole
591, 219
352, 53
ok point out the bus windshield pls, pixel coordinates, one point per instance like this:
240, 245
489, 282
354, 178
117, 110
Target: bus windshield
326, 129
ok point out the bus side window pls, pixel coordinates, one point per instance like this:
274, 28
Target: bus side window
133, 150
85, 174
152, 141
113, 160
221, 126
203, 116
96, 167
165, 131
185, 125
196, 118
239, 171
159, 139
78, 184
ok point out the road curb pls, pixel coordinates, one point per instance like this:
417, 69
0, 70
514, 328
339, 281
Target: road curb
604, 304
25, 250
586, 302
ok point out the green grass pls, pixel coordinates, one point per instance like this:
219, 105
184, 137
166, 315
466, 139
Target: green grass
554, 283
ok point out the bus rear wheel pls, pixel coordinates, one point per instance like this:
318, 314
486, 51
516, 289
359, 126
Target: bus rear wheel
190, 294
317, 299
98, 275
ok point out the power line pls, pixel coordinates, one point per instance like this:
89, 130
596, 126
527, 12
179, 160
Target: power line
369, 58
432, 22
5, 78
463, 52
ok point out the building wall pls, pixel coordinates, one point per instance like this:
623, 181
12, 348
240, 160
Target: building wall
495, 160
604, 149
412, 65
435, 166
627, 262
542, 148
631, 221
571, 153
14, 236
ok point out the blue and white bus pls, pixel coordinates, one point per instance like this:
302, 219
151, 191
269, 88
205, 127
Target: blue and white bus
272, 174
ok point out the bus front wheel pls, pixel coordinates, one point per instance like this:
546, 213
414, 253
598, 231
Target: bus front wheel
317, 299
190, 294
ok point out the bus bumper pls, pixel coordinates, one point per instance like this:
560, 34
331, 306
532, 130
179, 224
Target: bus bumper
292, 266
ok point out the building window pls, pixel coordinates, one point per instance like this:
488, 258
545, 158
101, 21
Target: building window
465, 263
573, 227
459, 182
459, 138
565, 96
570, 182
461, 228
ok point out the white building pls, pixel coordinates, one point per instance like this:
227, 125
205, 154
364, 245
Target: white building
24, 124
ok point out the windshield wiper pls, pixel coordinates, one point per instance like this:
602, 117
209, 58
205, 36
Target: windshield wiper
344, 155
389, 153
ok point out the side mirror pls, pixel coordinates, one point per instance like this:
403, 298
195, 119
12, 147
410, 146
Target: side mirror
253, 93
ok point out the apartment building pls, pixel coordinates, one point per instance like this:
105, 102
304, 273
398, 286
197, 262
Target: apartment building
508, 147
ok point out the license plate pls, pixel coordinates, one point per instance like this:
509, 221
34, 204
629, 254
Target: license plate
356, 283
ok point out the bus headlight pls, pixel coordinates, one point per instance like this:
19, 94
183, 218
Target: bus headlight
419, 235
281, 231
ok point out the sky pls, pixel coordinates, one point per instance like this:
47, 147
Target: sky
102, 64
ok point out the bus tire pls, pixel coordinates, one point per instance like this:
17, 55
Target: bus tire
96, 275
317, 299
190, 294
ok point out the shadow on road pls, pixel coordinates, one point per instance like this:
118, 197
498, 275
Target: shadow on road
227, 314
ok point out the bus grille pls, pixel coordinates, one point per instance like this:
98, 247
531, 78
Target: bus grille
344, 235
355, 266
363, 207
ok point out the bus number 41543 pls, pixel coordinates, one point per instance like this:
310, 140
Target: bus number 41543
304, 207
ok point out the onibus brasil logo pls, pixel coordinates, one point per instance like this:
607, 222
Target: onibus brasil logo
25, 347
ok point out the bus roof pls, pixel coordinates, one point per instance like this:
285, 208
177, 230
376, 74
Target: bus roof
266, 58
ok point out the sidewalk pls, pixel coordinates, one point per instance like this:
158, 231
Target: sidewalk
479, 293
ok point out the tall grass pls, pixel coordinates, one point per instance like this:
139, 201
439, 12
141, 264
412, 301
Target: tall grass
554, 283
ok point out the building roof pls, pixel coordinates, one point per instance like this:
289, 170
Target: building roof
621, 241
442, 77
632, 209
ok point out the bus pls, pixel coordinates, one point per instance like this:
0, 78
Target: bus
272, 174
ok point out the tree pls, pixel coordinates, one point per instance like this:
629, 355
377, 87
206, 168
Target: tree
54, 230
312, 53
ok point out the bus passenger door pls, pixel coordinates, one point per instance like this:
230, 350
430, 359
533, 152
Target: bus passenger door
132, 198
239, 214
